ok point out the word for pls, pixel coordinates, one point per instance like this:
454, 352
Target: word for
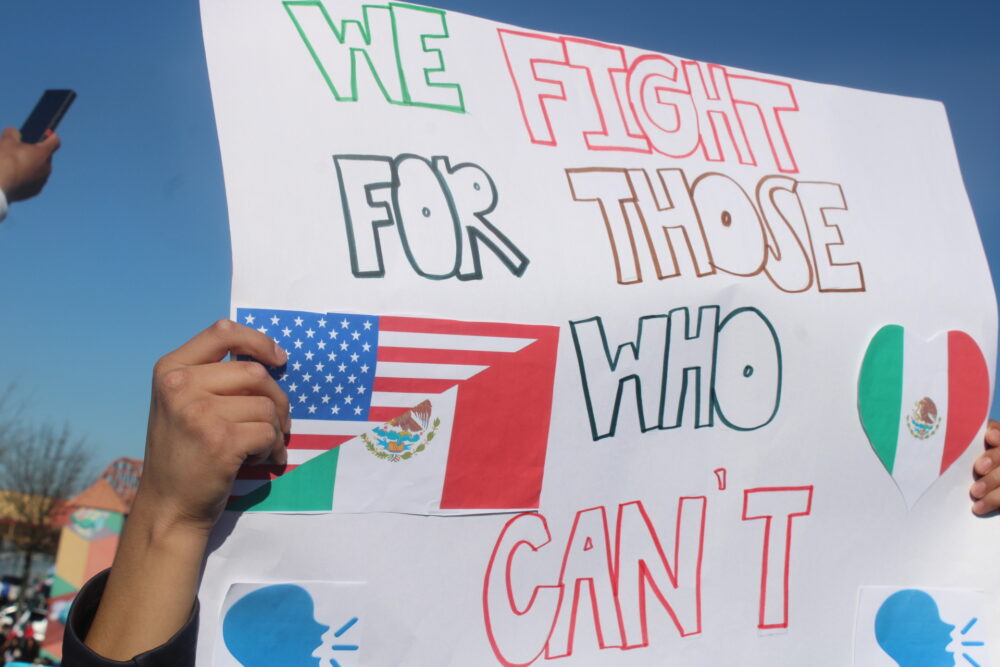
437, 210
527, 613
713, 225
649, 105
730, 368
390, 42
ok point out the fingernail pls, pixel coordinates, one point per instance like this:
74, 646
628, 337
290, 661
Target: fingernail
993, 436
978, 490
281, 354
983, 464
979, 507
282, 457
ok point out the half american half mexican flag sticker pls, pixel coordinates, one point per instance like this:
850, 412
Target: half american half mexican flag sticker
406, 414
921, 403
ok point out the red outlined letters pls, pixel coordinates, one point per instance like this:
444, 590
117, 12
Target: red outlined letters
598, 595
651, 104
593, 582
777, 507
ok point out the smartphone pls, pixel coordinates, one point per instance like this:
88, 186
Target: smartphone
46, 115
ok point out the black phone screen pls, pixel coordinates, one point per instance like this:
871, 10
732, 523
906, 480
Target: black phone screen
46, 115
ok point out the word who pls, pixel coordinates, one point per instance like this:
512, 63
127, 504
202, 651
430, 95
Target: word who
651, 104
727, 368
392, 43
438, 211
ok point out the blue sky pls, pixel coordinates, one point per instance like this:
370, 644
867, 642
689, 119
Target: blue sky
127, 253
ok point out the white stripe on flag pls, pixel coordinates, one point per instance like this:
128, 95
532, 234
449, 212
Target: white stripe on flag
297, 457
412, 370
365, 483
433, 341
925, 374
332, 427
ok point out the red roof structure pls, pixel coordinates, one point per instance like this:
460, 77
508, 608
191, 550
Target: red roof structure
114, 490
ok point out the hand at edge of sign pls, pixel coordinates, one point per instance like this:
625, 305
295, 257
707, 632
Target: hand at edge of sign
206, 418
24, 168
986, 490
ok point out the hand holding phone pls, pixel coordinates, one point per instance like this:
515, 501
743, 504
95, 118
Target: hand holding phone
26, 156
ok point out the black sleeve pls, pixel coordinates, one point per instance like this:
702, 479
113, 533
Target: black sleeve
177, 652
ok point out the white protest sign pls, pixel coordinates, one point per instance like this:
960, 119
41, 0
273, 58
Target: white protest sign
597, 355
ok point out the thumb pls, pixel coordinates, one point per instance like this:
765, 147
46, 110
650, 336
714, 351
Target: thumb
50, 144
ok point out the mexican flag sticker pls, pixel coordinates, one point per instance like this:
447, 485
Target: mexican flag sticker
921, 403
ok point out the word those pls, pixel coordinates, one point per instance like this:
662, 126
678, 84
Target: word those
730, 368
786, 231
438, 211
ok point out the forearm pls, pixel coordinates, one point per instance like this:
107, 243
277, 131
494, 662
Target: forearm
151, 588
206, 418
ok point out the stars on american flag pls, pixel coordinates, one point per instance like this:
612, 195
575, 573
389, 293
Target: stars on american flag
322, 383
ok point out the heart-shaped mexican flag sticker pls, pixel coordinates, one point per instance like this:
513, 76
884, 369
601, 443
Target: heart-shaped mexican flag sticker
921, 403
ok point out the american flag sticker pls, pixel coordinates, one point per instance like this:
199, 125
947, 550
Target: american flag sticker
405, 414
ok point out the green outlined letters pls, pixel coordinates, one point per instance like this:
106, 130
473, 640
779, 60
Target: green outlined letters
679, 366
394, 44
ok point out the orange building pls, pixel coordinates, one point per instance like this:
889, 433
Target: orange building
92, 526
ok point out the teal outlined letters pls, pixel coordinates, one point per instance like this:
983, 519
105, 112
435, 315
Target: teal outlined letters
728, 367
440, 213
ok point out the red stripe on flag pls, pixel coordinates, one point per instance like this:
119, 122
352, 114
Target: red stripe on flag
382, 415
430, 356
492, 329
303, 441
413, 385
968, 395
496, 458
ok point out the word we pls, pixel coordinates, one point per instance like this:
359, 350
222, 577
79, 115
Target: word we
393, 43
608, 585
713, 225
438, 211
729, 368
649, 105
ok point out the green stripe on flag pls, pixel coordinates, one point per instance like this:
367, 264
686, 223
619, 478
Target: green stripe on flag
880, 392
307, 488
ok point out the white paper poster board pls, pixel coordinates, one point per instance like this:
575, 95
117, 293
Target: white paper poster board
666, 361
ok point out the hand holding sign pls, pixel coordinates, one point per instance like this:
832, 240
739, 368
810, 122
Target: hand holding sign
205, 419
986, 490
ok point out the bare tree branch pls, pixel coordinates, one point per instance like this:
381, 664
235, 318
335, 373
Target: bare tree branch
40, 468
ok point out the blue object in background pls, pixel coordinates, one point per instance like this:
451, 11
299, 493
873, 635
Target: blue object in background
272, 626
909, 629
